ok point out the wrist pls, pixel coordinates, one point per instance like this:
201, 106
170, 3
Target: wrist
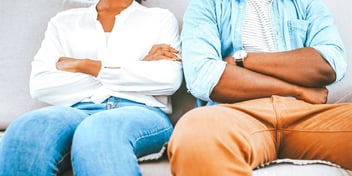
297, 91
89, 66
239, 57
82, 65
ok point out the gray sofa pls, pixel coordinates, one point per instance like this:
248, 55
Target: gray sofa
23, 23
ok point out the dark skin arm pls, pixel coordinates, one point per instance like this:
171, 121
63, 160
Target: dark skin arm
267, 74
305, 67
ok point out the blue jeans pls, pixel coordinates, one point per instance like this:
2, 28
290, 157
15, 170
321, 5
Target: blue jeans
95, 140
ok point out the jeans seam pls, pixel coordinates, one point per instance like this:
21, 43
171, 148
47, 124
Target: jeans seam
149, 135
58, 163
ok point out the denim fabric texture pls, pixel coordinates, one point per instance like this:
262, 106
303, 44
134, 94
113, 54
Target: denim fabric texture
95, 140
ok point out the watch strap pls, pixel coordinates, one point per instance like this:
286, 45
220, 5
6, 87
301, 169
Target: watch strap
239, 62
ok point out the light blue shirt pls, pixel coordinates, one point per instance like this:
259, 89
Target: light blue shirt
212, 30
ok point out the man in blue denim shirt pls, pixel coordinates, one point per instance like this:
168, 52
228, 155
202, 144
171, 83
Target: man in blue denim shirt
264, 65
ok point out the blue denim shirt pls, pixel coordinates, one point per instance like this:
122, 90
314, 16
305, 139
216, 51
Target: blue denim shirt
212, 30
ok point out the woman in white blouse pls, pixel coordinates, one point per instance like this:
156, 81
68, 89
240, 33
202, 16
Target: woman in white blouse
109, 71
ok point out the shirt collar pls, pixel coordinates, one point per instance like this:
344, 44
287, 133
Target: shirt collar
134, 5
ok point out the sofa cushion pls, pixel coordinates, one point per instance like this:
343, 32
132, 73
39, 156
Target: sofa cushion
22, 28
287, 169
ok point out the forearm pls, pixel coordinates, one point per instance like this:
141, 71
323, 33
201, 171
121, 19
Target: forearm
305, 67
240, 84
86, 66
58, 87
91, 67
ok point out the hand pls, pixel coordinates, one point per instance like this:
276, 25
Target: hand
68, 64
313, 95
162, 52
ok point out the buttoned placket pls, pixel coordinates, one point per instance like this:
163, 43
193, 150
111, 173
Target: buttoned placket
238, 25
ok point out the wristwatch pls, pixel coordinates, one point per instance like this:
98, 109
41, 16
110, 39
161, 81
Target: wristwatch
239, 57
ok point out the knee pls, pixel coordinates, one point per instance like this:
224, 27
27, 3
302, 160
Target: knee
98, 128
91, 127
98, 134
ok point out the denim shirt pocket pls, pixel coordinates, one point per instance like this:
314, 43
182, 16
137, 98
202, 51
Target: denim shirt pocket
298, 30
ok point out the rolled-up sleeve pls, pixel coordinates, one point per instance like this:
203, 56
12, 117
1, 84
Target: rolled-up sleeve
323, 35
201, 49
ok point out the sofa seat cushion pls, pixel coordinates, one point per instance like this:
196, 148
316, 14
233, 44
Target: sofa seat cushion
162, 168
288, 169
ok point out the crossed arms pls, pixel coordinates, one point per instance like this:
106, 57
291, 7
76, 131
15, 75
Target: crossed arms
310, 54
266, 74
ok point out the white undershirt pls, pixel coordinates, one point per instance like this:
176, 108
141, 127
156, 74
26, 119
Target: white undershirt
258, 31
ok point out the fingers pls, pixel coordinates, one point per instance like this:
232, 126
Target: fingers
162, 55
163, 47
162, 52
67, 64
167, 55
63, 59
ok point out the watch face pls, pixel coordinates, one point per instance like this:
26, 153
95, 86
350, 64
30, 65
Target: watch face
240, 54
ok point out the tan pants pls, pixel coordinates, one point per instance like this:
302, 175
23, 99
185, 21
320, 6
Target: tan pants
232, 139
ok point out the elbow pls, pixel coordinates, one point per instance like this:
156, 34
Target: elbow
173, 88
174, 84
322, 73
332, 64
34, 93
37, 92
197, 92
328, 77
173, 79
327, 74
320, 78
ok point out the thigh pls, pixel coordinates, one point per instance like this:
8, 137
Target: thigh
109, 142
321, 132
39, 141
141, 126
235, 139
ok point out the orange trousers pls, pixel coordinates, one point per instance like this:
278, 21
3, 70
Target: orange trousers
233, 139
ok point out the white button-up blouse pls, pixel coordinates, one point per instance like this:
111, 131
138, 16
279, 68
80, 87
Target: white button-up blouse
77, 33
